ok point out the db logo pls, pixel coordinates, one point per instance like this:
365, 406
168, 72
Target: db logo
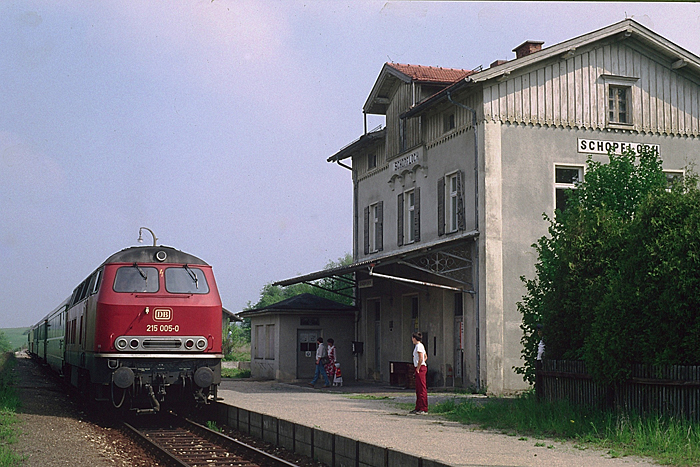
162, 314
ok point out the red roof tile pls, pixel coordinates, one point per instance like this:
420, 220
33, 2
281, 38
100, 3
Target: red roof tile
430, 73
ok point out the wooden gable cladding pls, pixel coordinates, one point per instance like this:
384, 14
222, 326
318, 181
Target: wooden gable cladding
398, 138
435, 132
572, 92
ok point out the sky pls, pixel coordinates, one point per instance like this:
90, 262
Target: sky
210, 122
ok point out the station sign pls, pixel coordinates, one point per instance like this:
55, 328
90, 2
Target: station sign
597, 146
408, 160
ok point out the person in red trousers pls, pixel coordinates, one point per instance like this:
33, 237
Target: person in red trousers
420, 362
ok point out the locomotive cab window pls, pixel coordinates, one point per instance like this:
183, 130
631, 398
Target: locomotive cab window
136, 279
186, 280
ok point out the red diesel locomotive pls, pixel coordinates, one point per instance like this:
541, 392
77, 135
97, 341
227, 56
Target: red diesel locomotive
144, 328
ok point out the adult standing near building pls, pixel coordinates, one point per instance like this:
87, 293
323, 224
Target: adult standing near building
420, 362
330, 366
321, 359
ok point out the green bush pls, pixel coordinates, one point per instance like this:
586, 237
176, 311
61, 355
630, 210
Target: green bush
5, 345
618, 277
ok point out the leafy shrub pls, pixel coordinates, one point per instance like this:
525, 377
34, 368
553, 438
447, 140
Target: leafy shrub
618, 278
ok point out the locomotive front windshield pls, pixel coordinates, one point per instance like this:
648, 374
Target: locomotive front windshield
144, 279
136, 278
186, 280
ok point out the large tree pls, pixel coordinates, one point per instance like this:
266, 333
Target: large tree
618, 277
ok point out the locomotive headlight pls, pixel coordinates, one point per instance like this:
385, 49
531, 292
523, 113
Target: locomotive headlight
134, 344
121, 343
201, 344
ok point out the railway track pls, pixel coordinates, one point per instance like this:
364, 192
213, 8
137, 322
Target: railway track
177, 441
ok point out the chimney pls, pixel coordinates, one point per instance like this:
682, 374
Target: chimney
527, 47
498, 62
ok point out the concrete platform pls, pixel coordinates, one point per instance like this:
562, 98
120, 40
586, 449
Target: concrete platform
370, 413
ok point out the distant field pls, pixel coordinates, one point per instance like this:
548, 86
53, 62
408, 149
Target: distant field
16, 336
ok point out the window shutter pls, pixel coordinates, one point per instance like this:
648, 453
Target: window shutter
399, 220
380, 226
367, 230
461, 224
441, 205
416, 215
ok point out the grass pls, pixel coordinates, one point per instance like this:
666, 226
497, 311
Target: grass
238, 355
213, 427
17, 337
368, 397
234, 373
8, 404
666, 440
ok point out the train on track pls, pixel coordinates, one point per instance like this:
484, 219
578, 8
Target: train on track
145, 328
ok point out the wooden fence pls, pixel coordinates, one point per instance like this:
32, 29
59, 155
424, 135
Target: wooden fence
665, 390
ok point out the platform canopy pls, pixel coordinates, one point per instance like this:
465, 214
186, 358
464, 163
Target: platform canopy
447, 260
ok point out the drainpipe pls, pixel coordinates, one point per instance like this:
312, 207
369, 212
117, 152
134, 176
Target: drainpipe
354, 249
476, 227
356, 302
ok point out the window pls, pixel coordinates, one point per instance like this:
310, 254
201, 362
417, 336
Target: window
452, 187
619, 93
96, 281
454, 200
371, 161
451, 203
565, 178
673, 177
374, 230
448, 122
410, 208
136, 279
307, 340
618, 104
186, 280
408, 228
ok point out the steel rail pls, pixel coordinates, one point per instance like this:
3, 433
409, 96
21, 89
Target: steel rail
199, 445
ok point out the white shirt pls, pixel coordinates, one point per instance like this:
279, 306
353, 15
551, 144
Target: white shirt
419, 348
320, 351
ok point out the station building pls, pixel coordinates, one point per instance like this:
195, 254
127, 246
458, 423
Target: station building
449, 195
